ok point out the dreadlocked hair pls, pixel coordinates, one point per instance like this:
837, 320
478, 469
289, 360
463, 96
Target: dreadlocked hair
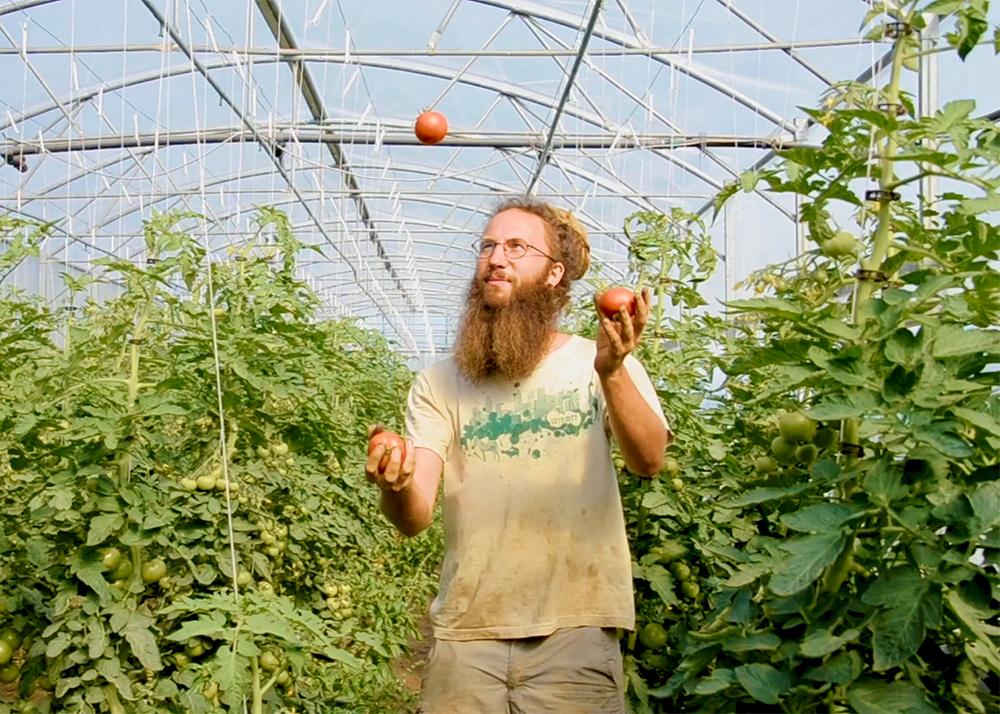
565, 235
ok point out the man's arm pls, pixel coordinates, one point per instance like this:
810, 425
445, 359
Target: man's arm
410, 506
636, 427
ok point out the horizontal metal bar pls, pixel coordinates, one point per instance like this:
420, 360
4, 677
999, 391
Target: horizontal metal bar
317, 54
334, 194
523, 140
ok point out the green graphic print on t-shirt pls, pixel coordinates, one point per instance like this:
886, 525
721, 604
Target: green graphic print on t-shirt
513, 428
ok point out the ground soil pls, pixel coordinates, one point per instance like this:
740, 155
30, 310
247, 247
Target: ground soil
410, 669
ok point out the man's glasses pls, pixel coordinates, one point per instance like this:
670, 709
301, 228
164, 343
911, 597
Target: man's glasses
514, 248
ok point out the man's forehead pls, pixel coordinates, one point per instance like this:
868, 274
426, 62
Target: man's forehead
514, 223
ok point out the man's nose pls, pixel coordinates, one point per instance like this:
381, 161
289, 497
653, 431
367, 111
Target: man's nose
499, 256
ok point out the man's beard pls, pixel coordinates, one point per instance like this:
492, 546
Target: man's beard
507, 342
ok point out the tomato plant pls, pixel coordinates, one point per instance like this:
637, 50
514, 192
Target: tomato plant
835, 543
182, 490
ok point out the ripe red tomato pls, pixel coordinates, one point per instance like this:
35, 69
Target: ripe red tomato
616, 298
389, 440
431, 127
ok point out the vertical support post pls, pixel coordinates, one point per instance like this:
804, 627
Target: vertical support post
928, 103
729, 233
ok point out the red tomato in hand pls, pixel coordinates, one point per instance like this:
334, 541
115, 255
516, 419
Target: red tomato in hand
431, 127
389, 440
615, 299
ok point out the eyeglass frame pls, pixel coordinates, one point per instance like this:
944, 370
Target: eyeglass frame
479, 246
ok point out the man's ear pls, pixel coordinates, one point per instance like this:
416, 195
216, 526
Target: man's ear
556, 274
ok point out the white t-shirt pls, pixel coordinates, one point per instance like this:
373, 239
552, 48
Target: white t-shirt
534, 528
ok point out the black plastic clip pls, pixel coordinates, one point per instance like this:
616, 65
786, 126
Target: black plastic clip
878, 194
893, 30
848, 449
889, 108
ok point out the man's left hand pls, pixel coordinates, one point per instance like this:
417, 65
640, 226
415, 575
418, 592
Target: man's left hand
617, 338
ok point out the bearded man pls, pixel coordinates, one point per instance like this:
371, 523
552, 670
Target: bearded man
536, 578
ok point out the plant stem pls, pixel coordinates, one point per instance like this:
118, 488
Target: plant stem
258, 695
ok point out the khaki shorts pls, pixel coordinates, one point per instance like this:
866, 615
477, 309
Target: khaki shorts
572, 671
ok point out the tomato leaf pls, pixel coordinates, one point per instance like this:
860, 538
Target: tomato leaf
761, 495
144, 647
821, 517
840, 669
91, 573
111, 670
810, 555
763, 682
231, 671
103, 526
755, 641
878, 697
823, 642
955, 341
268, 624
210, 625
835, 407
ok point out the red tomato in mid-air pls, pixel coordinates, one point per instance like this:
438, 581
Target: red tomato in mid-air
389, 440
431, 127
616, 298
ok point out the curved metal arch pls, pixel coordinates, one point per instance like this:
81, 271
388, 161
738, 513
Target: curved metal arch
532, 9
24, 5
487, 83
501, 188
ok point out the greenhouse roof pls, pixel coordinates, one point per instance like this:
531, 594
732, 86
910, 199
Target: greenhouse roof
114, 109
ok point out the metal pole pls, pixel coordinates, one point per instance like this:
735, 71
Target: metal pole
584, 41
928, 105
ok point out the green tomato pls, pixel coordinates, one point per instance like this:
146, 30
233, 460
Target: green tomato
281, 531
194, 648
181, 659
153, 570
211, 690
189, 484
670, 465
282, 678
841, 245
279, 449
6, 652
267, 537
244, 578
690, 589
273, 551
653, 636
765, 465
680, 570
111, 558
12, 637
783, 451
269, 661
9, 674
826, 438
796, 427
807, 453
676, 484
206, 482
262, 452
123, 571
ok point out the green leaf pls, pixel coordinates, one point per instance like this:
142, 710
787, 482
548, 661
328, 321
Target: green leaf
910, 606
884, 484
768, 305
836, 407
748, 181
103, 526
144, 647
662, 583
980, 420
754, 641
941, 436
840, 669
985, 502
877, 697
268, 624
761, 495
981, 650
810, 555
111, 670
719, 680
763, 682
92, 575
823, 517
231, 671
823, 642
212, 625
838, 328
954, 341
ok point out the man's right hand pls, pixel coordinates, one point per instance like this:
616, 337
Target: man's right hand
398, 472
